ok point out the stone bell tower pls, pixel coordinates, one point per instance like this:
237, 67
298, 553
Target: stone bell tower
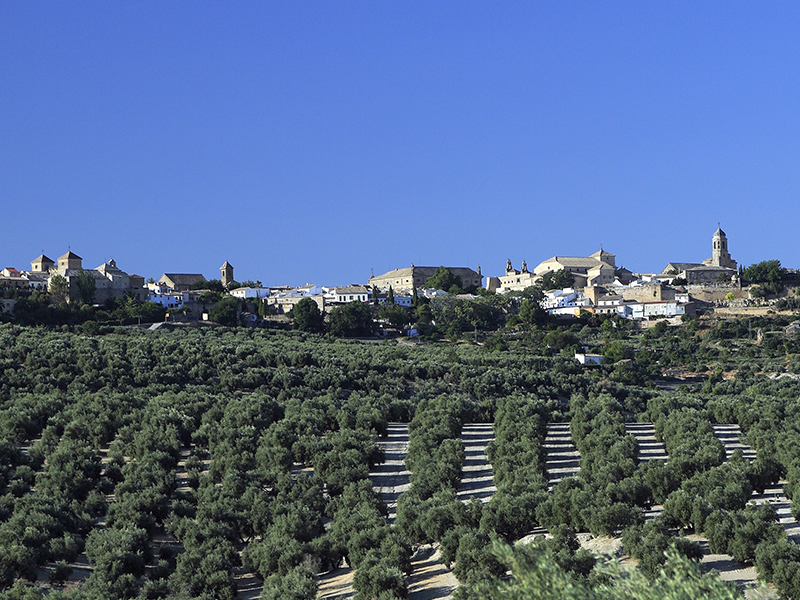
226, 274
720, 257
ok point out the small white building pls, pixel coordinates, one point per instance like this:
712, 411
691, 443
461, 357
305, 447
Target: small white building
12, 278
608, 304
648, 310
351, 293
404, 301
166, 297
432, 292
247, 293
589, 359
565, 302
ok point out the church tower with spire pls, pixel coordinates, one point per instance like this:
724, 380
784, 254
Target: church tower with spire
720, 257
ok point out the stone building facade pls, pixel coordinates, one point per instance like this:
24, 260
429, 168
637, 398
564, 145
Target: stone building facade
226, 274
597, 269
417, 277
109, 280
182, 282
513, 280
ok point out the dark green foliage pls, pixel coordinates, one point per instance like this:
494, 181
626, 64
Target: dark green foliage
226, 311
60, 573
566, 552
379, 578
308, 317
556, 280
475, 560
768, 273
616, 351
518, 464
536, 573
353, 319
277, 432
297, 584
85, 286
351, 453
443, 279
456, 315
738, 533
558, 340
649, 543
779, 563
532, 313
215, 285
118, 551
396, 315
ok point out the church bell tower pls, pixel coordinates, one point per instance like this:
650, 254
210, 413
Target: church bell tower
720, 257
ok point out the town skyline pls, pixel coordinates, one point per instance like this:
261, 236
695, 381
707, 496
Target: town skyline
486, 274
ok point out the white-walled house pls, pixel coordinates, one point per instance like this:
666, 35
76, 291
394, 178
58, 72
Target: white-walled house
647, 310
352, 293
247, 293
565, 302
432, 292
285, 300
404, 301
166, 297
589, 359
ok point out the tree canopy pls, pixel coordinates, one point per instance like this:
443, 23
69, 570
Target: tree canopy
308, 317
353, 319
556, 280
767, 273
226, 311
443, 279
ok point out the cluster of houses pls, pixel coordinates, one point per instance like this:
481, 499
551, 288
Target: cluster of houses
599, 286
642, 299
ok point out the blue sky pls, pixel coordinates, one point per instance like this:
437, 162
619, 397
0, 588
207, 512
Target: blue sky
306, 141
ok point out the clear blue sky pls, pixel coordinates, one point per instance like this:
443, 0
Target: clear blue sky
306, 141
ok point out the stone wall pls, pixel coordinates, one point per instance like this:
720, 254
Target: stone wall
716, 294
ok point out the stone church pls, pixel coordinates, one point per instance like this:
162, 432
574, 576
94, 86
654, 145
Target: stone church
719, 268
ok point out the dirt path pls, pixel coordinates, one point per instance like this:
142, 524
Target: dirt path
476, 479
563, 458
336, 584
392, 478
649, 447
744, 576
783, 506
729, 436
430, 579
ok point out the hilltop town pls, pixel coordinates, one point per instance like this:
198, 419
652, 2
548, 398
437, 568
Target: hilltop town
564, 286
167, 439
